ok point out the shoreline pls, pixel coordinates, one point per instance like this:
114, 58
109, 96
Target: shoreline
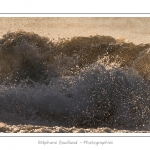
5, 128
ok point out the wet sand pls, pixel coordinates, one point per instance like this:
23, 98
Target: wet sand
4, 128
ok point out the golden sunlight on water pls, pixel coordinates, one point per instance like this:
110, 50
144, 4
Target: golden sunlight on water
136, 30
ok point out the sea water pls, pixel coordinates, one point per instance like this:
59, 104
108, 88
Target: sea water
87, 82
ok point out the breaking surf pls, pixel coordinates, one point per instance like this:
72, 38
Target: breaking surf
85, 82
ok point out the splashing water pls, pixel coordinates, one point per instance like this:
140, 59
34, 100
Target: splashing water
40, 85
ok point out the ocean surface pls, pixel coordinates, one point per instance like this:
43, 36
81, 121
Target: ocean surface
83, 82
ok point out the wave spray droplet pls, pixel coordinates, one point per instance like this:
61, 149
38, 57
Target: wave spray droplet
91, 81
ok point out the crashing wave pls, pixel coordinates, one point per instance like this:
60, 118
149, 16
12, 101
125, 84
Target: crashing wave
84, 81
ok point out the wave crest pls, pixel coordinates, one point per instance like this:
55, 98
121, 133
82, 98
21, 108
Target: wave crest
83, 81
